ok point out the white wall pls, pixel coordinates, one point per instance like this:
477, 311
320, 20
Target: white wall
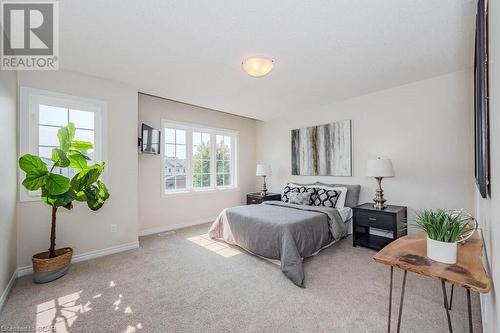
81, 228
488, 210
424, 127
8, 172
157, 213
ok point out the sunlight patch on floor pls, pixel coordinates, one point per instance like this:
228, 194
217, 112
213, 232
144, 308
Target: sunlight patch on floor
61, 313
218, 247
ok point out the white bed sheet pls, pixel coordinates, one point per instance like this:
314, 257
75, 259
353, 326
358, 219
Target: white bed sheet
346, 215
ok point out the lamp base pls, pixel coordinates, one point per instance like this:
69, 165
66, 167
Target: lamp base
263, 192
379, 196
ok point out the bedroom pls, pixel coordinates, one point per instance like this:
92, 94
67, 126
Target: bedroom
399, 76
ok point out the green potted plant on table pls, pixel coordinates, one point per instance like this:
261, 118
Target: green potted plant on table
58, 191
444, 230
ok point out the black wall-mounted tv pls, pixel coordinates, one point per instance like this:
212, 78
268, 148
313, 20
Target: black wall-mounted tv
481, 107
150, 140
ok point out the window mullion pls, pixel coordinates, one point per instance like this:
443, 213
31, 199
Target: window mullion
189, 159
233, 157
212, 162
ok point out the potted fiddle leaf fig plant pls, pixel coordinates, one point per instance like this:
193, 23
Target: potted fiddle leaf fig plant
58, 191
444, 230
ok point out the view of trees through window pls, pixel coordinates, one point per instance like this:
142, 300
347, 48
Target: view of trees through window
201, 159
223, 160
197, 159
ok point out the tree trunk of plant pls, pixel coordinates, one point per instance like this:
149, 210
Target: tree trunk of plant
52, 249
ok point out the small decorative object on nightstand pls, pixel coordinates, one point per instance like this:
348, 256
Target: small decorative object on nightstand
378, 169
365, 216
257, 198
263, 170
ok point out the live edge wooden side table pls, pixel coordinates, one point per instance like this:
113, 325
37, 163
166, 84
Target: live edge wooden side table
409, 254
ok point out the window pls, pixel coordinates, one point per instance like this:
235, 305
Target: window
201, 160
175, 159
197, 158
51, 119
43, 113
223, 160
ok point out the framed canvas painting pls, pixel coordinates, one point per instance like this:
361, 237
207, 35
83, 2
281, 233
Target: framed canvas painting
323, 150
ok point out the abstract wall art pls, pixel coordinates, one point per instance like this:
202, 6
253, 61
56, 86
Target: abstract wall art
323, 150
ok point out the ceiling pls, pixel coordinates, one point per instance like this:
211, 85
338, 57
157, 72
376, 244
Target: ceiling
324, 51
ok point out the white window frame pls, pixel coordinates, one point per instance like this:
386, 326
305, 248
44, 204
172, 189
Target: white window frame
190, 128
29, 100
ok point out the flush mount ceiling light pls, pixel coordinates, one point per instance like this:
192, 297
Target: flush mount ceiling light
257, 66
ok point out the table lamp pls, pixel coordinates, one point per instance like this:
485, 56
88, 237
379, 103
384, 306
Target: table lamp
378, 169
263, 170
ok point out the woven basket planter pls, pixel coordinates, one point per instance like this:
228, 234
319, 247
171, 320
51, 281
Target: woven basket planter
47, 269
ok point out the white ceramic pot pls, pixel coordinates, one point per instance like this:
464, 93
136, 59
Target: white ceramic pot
442, 251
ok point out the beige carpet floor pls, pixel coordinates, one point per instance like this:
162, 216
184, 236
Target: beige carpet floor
183, 282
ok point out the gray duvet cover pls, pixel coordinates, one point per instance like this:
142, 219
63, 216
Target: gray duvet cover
282, 231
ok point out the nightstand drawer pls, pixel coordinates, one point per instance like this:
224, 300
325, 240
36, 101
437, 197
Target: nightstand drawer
253, 201
380, 221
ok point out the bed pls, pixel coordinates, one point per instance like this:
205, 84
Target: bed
286, 231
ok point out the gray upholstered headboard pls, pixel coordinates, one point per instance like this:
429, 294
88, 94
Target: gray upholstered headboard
352, 196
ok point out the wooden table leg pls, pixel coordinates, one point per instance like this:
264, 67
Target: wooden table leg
446, 306
471, 329
390, 302
402, 299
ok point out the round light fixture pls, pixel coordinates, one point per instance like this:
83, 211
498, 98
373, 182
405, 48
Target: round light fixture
257, 66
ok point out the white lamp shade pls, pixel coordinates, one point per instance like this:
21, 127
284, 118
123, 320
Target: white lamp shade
263, 170
381, 167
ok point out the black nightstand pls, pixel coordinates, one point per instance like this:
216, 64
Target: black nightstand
392, 218
257, 198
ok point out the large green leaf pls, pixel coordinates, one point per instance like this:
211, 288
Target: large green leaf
94, 199
82, 146
87, 177
36, 171
32, 164
56, 184
62, 200
59, 158
33, 182
71, 131
74, 151
80, 196
77, 160
64, 138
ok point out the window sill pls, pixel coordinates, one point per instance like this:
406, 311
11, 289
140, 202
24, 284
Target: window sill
174, 194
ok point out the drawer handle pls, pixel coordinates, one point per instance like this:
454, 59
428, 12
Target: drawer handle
372, 219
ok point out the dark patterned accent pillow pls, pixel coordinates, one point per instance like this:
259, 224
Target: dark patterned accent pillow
287, 190
326, 198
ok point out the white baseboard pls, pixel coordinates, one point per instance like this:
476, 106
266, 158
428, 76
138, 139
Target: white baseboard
7, 289
26, 270
155, 230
